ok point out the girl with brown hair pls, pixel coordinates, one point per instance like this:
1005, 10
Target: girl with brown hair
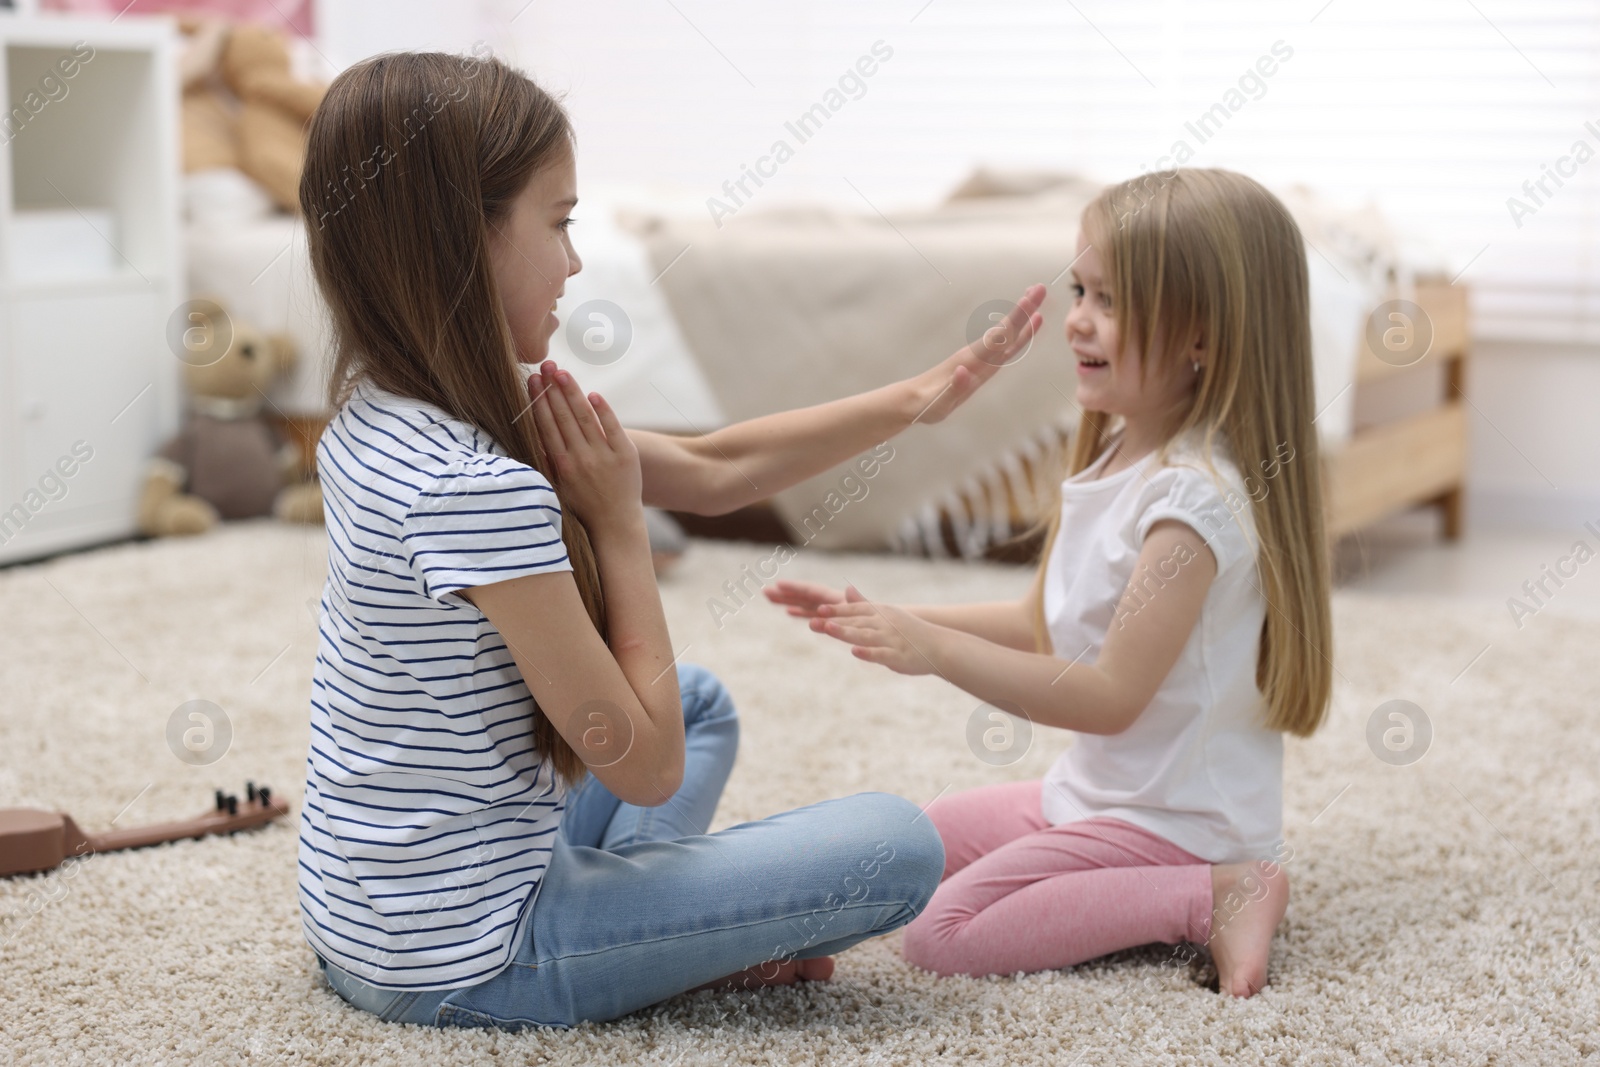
1179, 623
510, 779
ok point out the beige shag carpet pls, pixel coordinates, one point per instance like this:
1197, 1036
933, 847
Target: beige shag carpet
1444, 912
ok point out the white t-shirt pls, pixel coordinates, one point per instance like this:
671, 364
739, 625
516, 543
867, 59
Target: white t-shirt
1198, 767
428, 817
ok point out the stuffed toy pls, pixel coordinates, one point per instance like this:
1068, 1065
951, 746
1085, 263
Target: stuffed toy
274, 109
243, 107
228, 462
208, 136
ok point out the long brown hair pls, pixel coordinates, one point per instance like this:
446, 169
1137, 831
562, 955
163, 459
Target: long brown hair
1213, 253
411, 158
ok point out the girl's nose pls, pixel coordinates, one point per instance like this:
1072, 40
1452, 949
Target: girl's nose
1076, 326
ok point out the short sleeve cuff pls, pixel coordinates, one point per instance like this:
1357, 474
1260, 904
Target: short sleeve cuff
483, 521
1222, 520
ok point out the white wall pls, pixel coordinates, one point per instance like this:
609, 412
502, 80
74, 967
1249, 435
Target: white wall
348, 30
1535, 436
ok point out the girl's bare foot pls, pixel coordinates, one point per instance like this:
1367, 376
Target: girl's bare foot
774, 973
1247, 904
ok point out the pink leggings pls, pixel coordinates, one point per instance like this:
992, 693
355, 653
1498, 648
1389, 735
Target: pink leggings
1022, 895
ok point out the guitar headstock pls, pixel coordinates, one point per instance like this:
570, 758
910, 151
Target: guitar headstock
228, 814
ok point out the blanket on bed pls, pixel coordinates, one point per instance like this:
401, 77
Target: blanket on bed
794, 307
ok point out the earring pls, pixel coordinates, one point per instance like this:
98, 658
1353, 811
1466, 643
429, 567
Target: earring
1196, 365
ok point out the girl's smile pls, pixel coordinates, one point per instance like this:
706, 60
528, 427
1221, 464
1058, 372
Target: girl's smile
1089, 364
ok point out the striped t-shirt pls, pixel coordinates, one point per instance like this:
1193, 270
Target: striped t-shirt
429, 817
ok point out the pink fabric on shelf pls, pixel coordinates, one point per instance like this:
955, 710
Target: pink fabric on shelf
290, 15
1020, 894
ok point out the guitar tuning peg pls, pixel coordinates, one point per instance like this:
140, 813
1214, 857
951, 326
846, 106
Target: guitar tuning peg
250, 791
266, 796
222, 801
233, 804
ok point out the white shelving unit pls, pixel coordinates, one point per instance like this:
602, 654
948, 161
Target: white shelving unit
90, 273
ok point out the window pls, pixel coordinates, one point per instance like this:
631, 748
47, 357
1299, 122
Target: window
1437, 111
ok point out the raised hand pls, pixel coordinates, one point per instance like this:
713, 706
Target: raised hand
596, 464
802, 598
880, 633
939, 391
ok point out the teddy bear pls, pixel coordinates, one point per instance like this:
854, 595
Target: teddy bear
227, 462
243, 107
207, 113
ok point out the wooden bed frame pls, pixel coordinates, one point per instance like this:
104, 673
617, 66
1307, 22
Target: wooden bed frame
1418, 459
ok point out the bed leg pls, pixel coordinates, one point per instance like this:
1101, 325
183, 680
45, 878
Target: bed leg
1450, 508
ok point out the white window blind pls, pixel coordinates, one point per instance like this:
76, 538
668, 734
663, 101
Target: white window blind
1436, 111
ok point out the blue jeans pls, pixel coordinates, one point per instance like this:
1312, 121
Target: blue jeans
640, 904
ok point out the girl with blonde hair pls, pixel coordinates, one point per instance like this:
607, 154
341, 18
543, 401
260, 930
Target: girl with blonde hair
1179, 623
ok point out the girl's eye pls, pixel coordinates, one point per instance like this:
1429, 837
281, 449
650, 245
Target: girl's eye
1077, 292
568, 221
1105, 300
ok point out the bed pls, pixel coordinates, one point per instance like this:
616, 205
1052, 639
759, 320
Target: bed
791, 306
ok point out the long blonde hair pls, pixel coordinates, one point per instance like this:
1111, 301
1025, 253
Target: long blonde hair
1212, 253
411, 158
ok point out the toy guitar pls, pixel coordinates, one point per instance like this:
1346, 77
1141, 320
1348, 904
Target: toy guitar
35, 840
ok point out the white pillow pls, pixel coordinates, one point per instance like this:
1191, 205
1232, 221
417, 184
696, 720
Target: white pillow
223, 196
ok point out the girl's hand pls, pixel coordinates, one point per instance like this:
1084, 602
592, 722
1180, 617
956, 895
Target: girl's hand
935, 393
881, 633
596, 464
802, 598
